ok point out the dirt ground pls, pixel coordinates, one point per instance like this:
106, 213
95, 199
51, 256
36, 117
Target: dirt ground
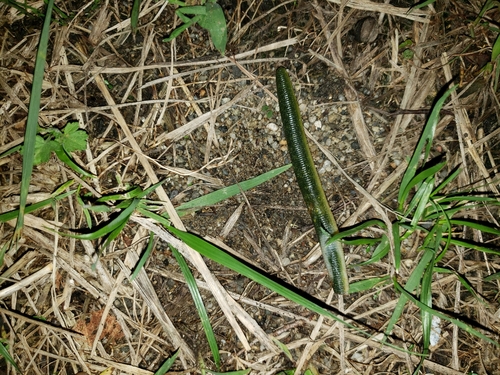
182, 113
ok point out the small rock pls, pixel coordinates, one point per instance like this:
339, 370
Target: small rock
272, 126
366, 30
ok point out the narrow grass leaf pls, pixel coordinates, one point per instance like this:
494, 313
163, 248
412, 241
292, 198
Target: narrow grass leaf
464, 326
412, 284
228, 192
367, 284
10, 215
451, 211
5, 354
134, 17
444, 226
474, 246
212, 252
421, 5
356, 229
464, 197
396, 239
68, 160
495, 52
465, 283
200, 306
429, 237
283, 348
11, 151
453, 175
167, 364
476, 225
425, 190
426, 299
493, 277
420, 177
144, 257
380, 251
423, 143
85, 209
133, 193
32, 119
113, 234
158, 218
109, 227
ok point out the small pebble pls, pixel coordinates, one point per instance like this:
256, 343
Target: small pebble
366, 30
272, 127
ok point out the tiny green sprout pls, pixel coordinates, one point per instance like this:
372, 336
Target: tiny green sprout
109, 85
209, 15
267, 111
407, 53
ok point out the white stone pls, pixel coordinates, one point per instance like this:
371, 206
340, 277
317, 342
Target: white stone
272, 127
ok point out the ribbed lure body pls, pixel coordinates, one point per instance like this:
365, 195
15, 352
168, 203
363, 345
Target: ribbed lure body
309, 182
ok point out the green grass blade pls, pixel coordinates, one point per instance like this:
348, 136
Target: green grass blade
134, 17
451, 211
423, 143
10, 215
474, 246
32, 120
416, 199
113, 234
426, 299
396, 238
132, 193
422, 176
355, 229
174, 34
424, 191
143, 259
200, 306
11, 151
453, 175
214, 253
109, 227
85, 210
493, 277
483, 227
228, 192
380, 251
367, 284
23, 7
158, 218
412, 284
495, 51
283, 348
467, 328
463, 197
68, 160
421, 5
465, 283
167, 364
5, 354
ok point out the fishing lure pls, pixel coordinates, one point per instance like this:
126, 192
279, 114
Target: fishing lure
309, 182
